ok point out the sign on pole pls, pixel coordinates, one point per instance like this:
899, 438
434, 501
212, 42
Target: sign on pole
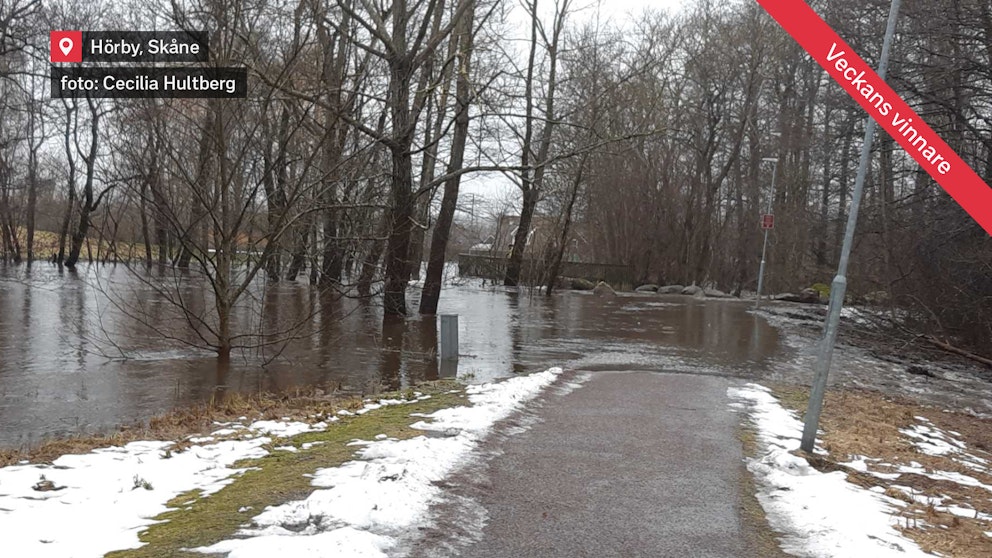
885, 106
767, 221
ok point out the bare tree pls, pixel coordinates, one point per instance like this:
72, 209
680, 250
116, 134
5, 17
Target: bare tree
462, 39
532, 179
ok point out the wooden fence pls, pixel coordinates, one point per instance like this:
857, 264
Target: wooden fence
491, 267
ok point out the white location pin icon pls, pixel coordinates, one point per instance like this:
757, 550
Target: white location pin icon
65, 45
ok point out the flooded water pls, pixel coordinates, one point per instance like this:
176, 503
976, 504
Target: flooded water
83, 353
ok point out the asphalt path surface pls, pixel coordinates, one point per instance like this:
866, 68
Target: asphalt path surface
629, 464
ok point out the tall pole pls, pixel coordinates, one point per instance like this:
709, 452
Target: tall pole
764, 247
839, 285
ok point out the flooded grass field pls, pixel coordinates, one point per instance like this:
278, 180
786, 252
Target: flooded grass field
85, 352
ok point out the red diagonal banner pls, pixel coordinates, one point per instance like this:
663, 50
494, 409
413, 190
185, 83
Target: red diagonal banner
885, 106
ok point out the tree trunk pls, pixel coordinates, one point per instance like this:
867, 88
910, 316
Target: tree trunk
333, 71
555, 270
299, 258
401, 179
442, 228
225, 243
515, 260
823, 227
432, 136
143, 209
32, 208
8, 226
159, 215
398, 244
532, 188
371, 262
188, 237
514, 267
223, 330
79, 236
88, 205
71, 201
845, 162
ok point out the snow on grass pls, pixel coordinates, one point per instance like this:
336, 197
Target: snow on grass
860, 463
819, 514
345, 542
930, 440
952, 476
284, 428
938, 504
370, 505
100, 500
89, 504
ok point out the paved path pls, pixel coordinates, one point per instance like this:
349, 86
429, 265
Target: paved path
632, 464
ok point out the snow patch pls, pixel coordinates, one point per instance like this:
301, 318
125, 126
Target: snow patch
284, 429
819, 514
102, 499
339, 542
89, 504
370, 505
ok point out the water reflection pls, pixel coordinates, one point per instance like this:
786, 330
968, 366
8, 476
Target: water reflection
62, 336
427, 342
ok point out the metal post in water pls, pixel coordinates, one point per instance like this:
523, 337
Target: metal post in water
449, 337
839, 285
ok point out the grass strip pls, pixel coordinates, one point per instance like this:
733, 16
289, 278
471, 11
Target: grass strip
277, 478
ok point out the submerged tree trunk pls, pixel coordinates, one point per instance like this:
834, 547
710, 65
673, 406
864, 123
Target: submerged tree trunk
300, 244
433, 130
515, 260
514, 267
32, 208
145, 233
371, 263
442, 229
88, 204
274, 183
190, 235
159, 217
401, 221
532, 181
71, 111
559, 255
334, 71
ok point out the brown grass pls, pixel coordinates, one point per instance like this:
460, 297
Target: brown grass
867, 423
182, 423
46, 244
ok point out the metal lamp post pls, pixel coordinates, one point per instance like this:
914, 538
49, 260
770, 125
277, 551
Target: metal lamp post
764, 247
839, 285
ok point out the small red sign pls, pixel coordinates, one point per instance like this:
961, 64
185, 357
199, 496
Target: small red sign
767, 221
66, 46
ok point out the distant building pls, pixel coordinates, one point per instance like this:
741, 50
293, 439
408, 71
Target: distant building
543, 236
